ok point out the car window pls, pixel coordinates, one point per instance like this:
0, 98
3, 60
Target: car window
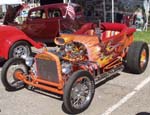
38, 14
78, 9
54, 13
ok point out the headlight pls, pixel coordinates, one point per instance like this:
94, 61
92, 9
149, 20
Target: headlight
29, 61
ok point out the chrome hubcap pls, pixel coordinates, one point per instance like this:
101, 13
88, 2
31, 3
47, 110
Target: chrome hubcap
20, 51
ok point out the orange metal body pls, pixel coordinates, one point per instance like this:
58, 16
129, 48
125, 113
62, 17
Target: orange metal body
107, 54
102, 53
46, 85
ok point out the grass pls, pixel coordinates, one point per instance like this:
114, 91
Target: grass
142, 36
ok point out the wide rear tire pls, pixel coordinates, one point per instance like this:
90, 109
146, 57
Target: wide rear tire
137, 57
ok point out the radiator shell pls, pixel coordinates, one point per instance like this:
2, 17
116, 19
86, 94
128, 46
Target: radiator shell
46, 67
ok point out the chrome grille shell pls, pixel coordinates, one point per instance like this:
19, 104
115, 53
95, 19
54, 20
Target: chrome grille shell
46, 68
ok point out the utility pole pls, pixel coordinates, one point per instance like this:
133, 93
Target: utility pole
112, 11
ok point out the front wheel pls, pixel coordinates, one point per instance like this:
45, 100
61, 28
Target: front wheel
8, 75
137, 57
78, 92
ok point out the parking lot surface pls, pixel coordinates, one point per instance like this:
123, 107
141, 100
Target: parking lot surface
123, 94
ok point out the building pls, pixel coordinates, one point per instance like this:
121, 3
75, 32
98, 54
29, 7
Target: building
99, 9
42, 2
102, 9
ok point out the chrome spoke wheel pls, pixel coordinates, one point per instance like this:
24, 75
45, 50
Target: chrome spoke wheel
78, 91
81, 92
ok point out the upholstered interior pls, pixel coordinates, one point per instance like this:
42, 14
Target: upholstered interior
110, 30
104, 35
108, 34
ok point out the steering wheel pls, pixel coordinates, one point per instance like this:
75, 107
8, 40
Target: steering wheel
99, 28
102, 28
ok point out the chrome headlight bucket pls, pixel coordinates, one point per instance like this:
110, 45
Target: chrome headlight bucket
29, 61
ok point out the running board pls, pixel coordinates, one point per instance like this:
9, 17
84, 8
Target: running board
105, 75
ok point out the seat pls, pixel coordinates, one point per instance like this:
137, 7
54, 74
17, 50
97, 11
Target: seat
108, 34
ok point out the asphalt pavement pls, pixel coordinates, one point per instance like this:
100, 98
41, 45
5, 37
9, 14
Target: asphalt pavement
123, 94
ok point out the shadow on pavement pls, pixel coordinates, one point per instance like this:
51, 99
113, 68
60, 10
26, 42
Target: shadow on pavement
103, 81
45, 93
143, 113
65, 110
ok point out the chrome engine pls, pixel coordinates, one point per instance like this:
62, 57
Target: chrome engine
71, 51
75, 50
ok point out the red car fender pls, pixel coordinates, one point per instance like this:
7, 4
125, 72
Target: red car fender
9, 35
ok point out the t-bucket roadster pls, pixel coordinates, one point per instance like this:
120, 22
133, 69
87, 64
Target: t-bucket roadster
78, 63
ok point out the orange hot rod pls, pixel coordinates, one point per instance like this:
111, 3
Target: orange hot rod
78, 62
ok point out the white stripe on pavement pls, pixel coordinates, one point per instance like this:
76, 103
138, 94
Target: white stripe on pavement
127, 97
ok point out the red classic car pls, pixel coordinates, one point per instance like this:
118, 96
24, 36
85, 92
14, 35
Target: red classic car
43, 23
14, 43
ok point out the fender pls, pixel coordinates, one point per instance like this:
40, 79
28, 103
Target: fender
9, 35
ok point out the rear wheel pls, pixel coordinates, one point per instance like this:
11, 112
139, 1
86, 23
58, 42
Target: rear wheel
137, 57
8, 74
78, 92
